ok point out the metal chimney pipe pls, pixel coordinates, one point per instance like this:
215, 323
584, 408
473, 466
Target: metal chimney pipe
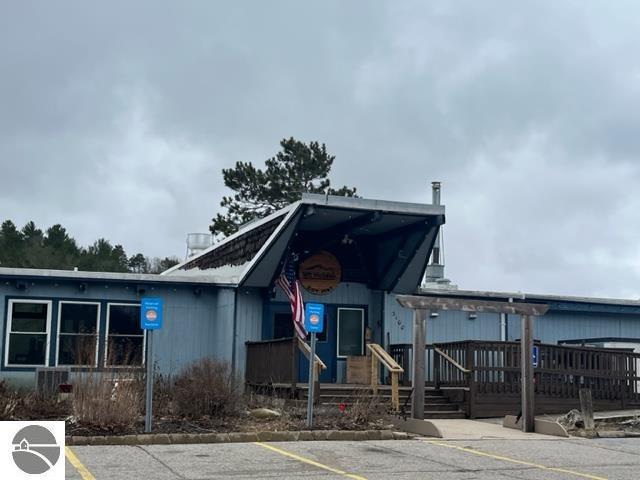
435, 190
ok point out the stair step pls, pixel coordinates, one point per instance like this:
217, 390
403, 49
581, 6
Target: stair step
444, 415
436, 398
441, 407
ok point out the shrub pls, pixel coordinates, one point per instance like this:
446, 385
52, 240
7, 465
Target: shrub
163, 392
108, 400
29, 405
206, 387
365, 409
8, 401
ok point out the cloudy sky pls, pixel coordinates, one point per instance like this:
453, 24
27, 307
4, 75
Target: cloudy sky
117, 117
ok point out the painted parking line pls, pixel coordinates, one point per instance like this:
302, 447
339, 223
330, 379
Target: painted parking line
308, 461
514, 460
77, 464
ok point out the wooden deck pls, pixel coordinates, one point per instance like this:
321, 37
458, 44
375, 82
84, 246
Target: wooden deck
482, 378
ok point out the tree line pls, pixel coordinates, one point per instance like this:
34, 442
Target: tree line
54, 248
257, 192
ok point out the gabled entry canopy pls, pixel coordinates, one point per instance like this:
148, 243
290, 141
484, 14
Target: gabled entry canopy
385, 245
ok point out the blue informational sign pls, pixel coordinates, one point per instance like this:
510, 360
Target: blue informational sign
535, 356
150, 313
314, 317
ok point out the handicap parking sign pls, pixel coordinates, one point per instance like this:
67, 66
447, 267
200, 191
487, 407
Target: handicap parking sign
314, 317
150, 313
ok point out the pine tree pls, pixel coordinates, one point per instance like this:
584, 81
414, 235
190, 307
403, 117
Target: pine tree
297, 169
11, 245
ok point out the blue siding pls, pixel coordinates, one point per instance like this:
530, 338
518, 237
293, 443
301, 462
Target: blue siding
448, 326
451, 326
562, 325
248, 324
345, 294
550, 328
398, 321
195, 326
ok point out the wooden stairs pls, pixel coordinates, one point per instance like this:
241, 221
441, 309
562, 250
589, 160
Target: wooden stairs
436, 404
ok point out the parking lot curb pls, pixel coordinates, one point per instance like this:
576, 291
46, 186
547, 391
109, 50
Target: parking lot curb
237, 437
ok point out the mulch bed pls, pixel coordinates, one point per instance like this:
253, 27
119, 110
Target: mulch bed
228, 424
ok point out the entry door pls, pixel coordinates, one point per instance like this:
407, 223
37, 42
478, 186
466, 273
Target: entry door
325, 349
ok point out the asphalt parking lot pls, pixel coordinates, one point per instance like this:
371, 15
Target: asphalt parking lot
411, 459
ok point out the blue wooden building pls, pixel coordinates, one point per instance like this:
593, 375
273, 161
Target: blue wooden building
353, 255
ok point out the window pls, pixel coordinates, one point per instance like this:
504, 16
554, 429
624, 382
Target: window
28, 323
282, 325
350, 332
125, 340
78, 333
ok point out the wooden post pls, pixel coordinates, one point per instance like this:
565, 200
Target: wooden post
526, 369
374, 374
395, 396
586, 406
436, 368
471, 379
418, 377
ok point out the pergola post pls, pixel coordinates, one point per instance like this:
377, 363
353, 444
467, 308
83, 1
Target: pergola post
528, 393
421, 304
418, 374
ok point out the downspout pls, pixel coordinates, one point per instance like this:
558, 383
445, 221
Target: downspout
504, 324
233, 343
382, 322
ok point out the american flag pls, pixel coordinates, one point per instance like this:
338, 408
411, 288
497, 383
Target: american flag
291, 287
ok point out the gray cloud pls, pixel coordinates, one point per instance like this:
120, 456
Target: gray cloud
117, 118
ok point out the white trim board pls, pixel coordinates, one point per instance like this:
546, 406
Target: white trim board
57, 364
106, 336
49, 304
362, 323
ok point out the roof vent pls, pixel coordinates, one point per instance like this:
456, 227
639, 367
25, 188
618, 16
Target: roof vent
197, 242
434, 273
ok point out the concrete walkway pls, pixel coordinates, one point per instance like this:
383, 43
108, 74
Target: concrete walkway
480, 430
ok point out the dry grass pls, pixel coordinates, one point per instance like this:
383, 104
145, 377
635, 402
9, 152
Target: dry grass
109, 400
8, 401
206, 388
29, 405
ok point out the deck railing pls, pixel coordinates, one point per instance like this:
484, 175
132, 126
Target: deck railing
491, 371
380, 355
272, 361
276, 361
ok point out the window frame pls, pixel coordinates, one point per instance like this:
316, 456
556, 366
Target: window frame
362, 323
13, 301
106, 337
97, 334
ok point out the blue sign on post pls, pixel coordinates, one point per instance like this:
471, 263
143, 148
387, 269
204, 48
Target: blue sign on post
314, 317
536, 355
150, 313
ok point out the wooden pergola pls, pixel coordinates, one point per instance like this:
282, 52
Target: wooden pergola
422, 305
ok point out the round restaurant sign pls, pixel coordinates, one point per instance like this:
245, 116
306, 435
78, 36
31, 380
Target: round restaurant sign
320, 273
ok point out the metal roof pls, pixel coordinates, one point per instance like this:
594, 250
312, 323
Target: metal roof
18, 273
327, 213
520, 296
